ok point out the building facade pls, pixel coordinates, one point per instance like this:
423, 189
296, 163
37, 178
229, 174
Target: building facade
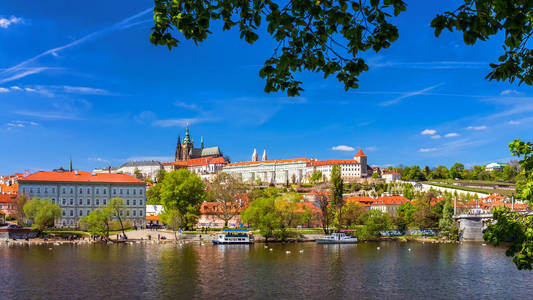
280, 171
351, 169
185, 150
78, 193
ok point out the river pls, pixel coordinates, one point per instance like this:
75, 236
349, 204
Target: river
307, 271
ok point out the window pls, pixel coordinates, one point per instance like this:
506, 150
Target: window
114, 191
121, 191
81, 191
81, 201
31, 190
127, 191
64, 192
104, 202
64, 201
140, 192
71, 213
88, 190
53, 190
88, 212
97, 202
45, 190
140, 202
134, 191
134, 213
104, 191
88, 201
71, 190
71, 201
134, 202
64, 214
128, 202
97, 191
81, 213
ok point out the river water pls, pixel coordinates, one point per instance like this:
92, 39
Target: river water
395, 270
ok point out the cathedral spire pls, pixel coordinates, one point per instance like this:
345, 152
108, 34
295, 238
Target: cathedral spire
255, 156
264, 155
70, 164
178, 149
187, 138
202, 142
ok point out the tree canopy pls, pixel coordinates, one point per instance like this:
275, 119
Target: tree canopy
331, 36
42, 212
181, 190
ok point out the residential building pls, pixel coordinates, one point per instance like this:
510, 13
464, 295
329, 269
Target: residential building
148, 169
351, 169
391, 176
495, 167
79, 192
389, 204
210, 215
8, 204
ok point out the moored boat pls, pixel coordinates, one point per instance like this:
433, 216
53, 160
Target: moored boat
235, 236
337, 238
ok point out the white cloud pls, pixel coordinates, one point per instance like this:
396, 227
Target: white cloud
435, 137
343, 148
20, 124
187, 105
3, 90
513, 122
429, 132
16, 88
482, 127
410, 94
451, 134
30, 90
47, 115
176, 122
5, 23
423, 150
372, 148
510, 93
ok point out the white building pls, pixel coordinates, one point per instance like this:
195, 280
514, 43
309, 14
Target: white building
79, 192
351, 169
205, 167
391, 176
269, 171
495, 167
148, 169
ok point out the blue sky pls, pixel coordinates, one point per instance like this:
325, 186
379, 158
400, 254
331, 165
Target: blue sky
82, 79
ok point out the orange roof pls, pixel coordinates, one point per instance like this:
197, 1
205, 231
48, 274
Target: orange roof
364, 200
153, 218
209, 207
82, 176
205, 161
391, 172
308, 205
360, 153
6, 198
13, 189
435, 201
390, 200
492, 198
279, 161
333, 162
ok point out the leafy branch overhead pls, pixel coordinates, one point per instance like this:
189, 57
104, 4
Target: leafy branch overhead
316, 35
329, 36
481, 19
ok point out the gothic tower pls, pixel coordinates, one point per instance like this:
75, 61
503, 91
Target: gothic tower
255, 157
264, 155
178, 149
187, 145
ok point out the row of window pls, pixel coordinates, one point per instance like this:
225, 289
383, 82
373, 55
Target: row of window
87, 191
127, 213
96, 202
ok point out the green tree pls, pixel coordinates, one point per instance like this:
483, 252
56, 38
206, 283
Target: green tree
226, 191
160, 175
19, 209
427, 172
184, 191
154, 194
415, 174
322, 197
97, 222
263, 215
456, 171
352, 211
42, 212
117, 210
174, 220
405, 216
441, 172
481, 19
524, 183
374, 221
138, 174
447, 225
336, 190
316, 176
375, 175
509, 172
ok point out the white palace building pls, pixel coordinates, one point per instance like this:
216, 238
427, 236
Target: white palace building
296, 170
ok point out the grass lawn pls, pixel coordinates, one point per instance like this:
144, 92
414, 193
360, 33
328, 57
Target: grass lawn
476, 190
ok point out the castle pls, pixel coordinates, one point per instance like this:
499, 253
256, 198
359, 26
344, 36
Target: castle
186, 150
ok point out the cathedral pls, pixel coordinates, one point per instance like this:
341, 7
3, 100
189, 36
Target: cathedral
185, 150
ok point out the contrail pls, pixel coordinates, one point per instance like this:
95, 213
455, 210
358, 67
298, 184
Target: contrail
123, 24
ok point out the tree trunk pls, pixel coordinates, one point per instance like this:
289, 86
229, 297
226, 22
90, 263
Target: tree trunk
122, 226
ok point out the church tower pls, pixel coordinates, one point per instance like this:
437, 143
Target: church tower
187, 145
264, 155
255, 157
178, 149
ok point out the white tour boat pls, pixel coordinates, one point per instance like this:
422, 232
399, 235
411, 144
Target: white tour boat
337, 238
236, 236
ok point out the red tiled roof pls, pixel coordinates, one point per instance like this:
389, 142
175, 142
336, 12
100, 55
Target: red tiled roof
6, 198
13, 189
83, 176
333, 162
194, 162
391, 172
279, 161
308, 205
153, 218
364, 200
360, 153
390, 200
209, 208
